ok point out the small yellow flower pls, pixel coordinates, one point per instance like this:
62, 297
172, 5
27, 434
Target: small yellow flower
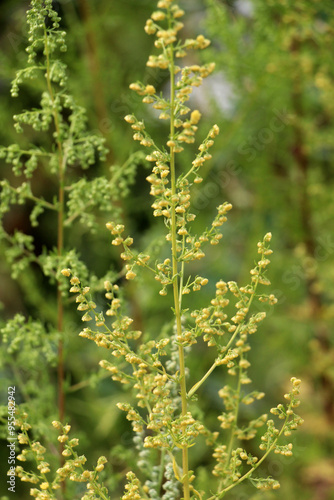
214, 131
66, 272
198, 180
62, 439
130, 119
178, 13
195, 116
22, 439
158, 15
150, 29
202, 42
130, 275
136, 87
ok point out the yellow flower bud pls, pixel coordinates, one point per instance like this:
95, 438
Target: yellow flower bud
66, 272
195, 116
130, 275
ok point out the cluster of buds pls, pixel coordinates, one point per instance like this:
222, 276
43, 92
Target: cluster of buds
115, 338
245, 296
85, 305
189, 128
292, 421
116, 374
72, 469
152, 388
230, 398
269, 439
193, 248
160, 441
127, 254
210, 321
183, 129
242, 305
116, 231
160, 417
137, 126
163, 274
221, 456
122, 323
111, 295
228, 358
204, 147
247, 457
186, 338
35, 450
165, 36
195, 286
185, 429
228, 469
265, 484
132, 488
271, 299
258, 272
252, 396
169, 14
133, 416
250, 430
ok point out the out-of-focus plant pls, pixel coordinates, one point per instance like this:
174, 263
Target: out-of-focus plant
60, 152
168, 418
275, 59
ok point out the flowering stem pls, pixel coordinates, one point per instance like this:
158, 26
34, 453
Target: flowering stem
177, 297
216, 363
250, 472
60, 241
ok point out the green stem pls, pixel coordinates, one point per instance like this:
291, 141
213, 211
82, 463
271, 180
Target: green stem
20, 382
60, 245
181, 274
31, 197
162, 470
215, 364
31, 152
177, 297
203, 379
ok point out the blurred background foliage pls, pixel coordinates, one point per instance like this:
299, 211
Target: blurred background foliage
272, 96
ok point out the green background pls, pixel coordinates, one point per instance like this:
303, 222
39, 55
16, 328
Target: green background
272, 95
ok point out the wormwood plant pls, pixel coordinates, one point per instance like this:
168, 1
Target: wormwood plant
56, 146
167, 420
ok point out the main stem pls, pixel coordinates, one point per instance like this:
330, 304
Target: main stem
177, 302
60, 246
60, 306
